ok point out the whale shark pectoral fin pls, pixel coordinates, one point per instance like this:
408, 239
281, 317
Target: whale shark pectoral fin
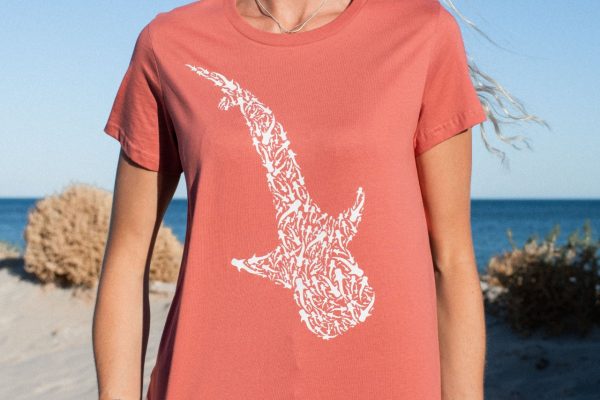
253, 265
269, 266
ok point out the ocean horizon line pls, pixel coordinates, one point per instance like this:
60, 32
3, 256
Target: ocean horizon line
472, 198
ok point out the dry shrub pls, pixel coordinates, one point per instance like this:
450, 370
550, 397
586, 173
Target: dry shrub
66, 238
166, 256
554, 288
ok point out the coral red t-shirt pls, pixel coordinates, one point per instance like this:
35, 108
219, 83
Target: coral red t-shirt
307, 272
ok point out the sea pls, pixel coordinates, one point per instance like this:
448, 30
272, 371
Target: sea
490, 221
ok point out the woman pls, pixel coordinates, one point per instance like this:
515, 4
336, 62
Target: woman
326, 149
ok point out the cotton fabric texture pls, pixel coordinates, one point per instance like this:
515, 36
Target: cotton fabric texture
307, 272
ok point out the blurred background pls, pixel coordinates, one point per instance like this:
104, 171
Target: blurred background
62, 62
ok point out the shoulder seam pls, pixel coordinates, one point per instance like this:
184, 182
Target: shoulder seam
155, 62
163, 105
430, 55
434, 37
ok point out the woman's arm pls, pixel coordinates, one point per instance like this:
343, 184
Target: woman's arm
122, 316
445, 179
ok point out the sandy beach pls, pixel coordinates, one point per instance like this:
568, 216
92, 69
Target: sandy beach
46, 340
46, 351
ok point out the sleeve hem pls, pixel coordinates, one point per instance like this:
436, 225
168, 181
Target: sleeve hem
453, 126
141, 157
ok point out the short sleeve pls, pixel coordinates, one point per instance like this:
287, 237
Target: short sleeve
450, 103
138, 118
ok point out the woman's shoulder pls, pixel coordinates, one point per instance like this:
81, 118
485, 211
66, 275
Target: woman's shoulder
407, 15
414, 16
170, 27
195, 12
425, 7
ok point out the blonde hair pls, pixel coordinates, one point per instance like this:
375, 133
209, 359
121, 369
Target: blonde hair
500, 105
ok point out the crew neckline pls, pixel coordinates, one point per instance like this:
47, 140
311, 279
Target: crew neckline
285, 39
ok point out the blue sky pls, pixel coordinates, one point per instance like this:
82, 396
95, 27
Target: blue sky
62, 62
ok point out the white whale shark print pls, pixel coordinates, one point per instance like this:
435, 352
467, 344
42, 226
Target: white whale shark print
312, 258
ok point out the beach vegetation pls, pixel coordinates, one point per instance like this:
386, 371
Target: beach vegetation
66, 233
543, 285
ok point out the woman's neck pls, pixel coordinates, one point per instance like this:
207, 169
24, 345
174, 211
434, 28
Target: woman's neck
289, 13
